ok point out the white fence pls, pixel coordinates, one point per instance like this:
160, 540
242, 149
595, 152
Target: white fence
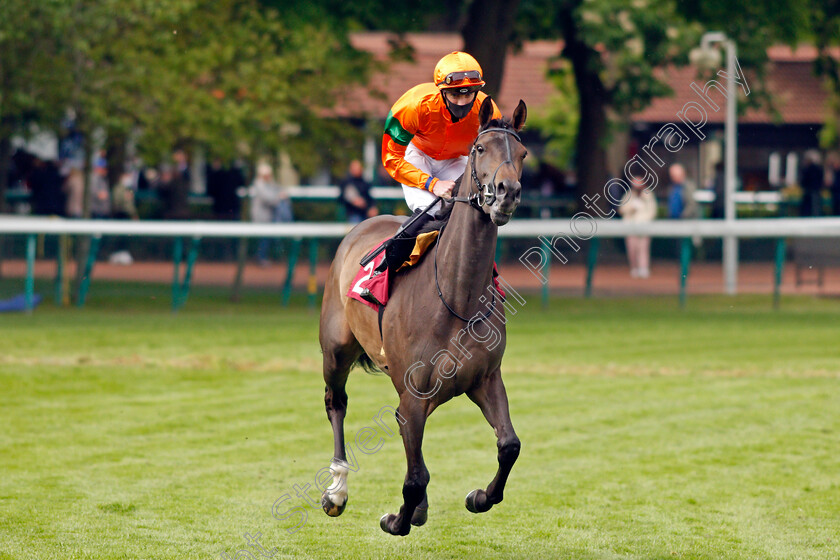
551, 237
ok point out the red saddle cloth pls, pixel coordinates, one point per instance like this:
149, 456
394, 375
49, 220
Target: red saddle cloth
378, 285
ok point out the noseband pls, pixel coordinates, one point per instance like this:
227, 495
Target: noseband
486, 193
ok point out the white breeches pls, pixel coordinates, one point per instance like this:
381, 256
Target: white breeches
446, 170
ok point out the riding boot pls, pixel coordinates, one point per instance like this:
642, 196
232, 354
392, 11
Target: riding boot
387, 263
405, 232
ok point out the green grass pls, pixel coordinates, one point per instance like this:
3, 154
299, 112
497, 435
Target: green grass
129, 432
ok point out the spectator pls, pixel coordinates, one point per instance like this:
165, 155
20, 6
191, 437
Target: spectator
123, 208
835, 186
812, 181
270, 203
681, 202
139, 176
74, 190
174, 190
222, 184
122, 199
47, 194
100, 195
638, 206
355, 195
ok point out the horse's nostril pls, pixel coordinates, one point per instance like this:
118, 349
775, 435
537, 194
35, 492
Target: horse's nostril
500, 189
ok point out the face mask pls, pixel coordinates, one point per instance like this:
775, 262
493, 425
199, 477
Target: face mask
458, 112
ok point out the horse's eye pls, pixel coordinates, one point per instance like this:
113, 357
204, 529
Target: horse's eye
479, 148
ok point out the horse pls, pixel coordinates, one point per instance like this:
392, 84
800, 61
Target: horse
424, 322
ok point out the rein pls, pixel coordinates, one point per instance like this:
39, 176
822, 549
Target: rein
440, 294
477, 199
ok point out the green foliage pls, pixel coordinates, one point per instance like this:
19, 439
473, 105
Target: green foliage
632, 37
33, 74
228, 75
825, 22
558, 119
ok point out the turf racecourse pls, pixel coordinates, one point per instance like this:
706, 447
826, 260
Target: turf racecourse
647, 433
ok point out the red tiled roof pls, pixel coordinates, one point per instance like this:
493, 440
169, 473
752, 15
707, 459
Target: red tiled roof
525, 72
799, 95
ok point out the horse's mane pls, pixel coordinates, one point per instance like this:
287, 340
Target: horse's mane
443, 217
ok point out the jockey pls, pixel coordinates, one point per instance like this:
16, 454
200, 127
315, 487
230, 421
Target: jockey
428, 135
429, 132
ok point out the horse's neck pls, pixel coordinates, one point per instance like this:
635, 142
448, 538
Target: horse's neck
467, 250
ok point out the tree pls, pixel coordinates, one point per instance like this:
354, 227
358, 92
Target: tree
33, 85
488, 33
613, 48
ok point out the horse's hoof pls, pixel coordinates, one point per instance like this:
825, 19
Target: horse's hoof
420, 516
331, 509
477, 501
385, 523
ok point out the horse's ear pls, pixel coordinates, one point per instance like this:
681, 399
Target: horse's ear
519, 116
486, 111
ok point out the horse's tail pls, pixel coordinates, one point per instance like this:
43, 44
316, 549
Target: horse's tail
367, 364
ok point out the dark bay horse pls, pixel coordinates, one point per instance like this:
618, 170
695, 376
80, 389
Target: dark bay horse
425, 347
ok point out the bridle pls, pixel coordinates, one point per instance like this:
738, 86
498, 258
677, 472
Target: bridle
484, 194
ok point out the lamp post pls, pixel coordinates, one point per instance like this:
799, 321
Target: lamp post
730, 243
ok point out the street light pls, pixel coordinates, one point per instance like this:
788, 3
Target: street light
706, 56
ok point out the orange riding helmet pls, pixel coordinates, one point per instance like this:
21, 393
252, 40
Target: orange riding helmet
458, 70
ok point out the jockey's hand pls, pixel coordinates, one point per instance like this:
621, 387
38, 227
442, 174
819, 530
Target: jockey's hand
444, 188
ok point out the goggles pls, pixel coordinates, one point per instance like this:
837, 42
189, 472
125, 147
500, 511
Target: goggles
469, 77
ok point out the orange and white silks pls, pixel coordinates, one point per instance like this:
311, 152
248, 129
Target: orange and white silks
420, 117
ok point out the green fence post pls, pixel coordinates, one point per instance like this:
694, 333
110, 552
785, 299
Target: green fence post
294, 251
312, 285
59, 270
177, 257
191, 258
685, 263
85, 285
546, 268
780, 265
29, 291
591, 262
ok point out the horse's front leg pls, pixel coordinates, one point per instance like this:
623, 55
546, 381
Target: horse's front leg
491, 397
413, 412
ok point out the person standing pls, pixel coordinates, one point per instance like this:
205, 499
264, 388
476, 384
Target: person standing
355, 195
270, 203
812, 184
48, 197
638, 206
681, 202
835, 186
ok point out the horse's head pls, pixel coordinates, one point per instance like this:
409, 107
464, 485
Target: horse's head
497, 156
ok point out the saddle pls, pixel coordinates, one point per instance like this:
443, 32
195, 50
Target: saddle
371, 285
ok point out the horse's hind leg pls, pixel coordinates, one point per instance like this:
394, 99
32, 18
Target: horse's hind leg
491, 397
338, 359
412, 418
